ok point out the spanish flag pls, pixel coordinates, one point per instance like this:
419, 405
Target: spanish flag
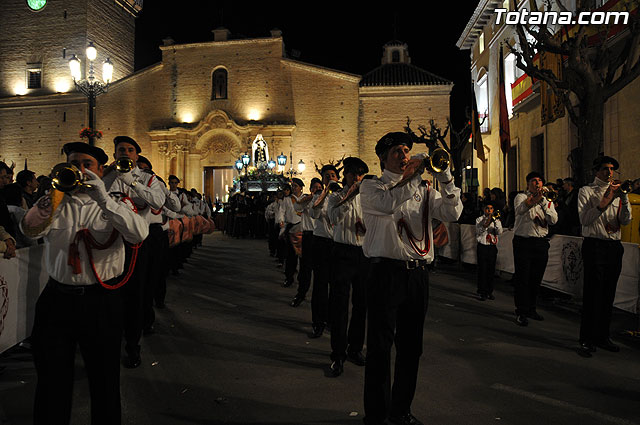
476, 134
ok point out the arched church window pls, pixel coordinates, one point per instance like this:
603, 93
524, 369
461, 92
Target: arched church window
219, 84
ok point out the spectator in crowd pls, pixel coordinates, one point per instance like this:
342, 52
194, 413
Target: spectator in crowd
568, 218
6, 174
13, 194
486, 197
29, 185
469, 210
636, 187
497, 199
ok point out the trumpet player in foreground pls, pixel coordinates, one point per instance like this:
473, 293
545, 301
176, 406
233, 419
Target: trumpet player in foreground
535, 212
488, 229
603, 206
398, 208
84, 229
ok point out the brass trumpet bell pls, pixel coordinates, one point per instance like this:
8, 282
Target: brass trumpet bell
438, 161
626, 186
66, 177
334, 187
124, 165
495, 216
549, 195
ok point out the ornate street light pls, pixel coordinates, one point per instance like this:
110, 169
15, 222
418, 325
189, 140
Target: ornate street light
239, 165
271, 165
91, 86
246, 159
291, 172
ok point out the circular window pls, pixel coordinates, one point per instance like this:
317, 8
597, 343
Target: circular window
36, 4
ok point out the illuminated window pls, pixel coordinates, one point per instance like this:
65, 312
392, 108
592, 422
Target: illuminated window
481, 43
219, 84
34, 76
482, 100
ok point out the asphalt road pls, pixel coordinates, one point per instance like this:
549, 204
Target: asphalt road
229, 350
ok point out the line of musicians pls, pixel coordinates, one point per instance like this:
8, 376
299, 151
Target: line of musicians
109, 234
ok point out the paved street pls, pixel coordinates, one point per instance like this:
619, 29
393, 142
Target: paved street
229, 350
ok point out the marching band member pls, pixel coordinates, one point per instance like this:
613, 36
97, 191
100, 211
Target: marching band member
308, 223
602, 208
270, 217
399, 245
292, 231
322, 245
488, 228
534, 215
83, 235
350, 269
147, 194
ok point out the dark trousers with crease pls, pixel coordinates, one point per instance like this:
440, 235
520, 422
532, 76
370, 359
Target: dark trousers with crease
350, 272
487, 255
162, 263
306, 264
291, 258
133, 299
397, 300
321, 274
155, 266
93, 322
530, 256
602, 260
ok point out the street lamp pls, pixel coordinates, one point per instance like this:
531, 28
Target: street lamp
291, 172
91, 86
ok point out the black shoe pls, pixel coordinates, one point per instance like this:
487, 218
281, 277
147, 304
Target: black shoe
296, 301
585, 349
407, 419
317, 331
490, 297
337, 367
482, 297
521, 320
608, 345
356, 357
287, 283
148, 331
132, 361
535, 316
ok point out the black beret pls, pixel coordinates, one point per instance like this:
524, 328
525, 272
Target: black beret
297, 181
329, 167
174, 178
392, 139
315, 180
126, 139
356, 165
533, 175
81, 147
599, 161
144, 160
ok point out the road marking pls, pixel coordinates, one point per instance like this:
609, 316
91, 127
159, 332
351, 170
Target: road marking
563, 404
215, 300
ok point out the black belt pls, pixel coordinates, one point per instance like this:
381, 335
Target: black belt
73, 289
601, 241
408, 264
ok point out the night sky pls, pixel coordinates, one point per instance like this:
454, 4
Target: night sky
350, 42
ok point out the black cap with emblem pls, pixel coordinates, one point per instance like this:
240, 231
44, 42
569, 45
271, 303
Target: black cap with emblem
392, 139
81, 147
126, 139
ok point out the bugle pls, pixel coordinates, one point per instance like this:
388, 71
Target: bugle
549, 194
625, 186
66, 177
435, 163
124, 164
350, 195
495, 216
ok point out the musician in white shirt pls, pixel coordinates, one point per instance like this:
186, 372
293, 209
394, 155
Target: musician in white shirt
488, 229
84, 232
292, 231
399, 244
602, 209
149, 197
534, 214
350, 269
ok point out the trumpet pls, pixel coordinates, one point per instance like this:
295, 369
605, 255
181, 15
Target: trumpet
351, 195
438, 161
495, 216
435, 163
625, 186
334, 186
66, 177
549, 194
124, 164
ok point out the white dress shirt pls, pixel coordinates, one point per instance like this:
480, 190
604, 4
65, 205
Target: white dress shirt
346, 219
602, 225
533, 222
488, 235
77, 212
384, 209
147, 194
322, 226
308, 222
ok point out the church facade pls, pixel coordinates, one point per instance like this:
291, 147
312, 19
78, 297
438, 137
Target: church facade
204, 104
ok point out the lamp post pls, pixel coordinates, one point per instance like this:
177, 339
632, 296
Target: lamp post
300, 168
91, 86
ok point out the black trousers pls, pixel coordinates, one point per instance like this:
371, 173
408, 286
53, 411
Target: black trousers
321, 274
155, 267
272, 235
487, 255
93, 322
530, 256
163, 264
602, 261
350, 272
397, 300
306, 264
133, 299
290, 259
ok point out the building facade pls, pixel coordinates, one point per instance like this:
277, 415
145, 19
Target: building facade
535, 145
203, 105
